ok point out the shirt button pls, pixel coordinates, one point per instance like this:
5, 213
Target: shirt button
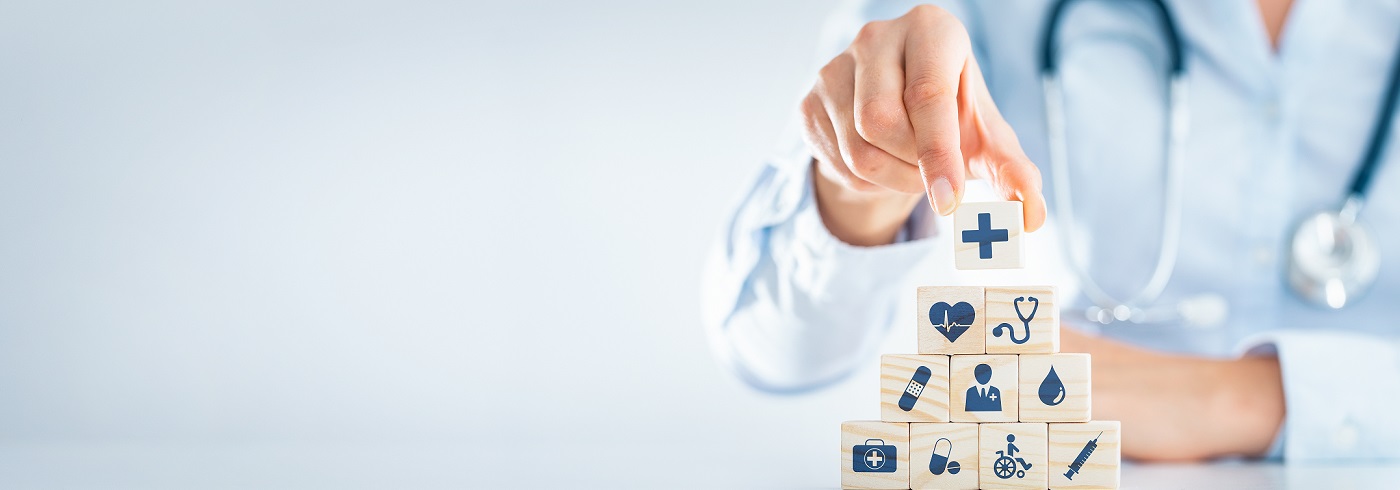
1264, 255
1345, 437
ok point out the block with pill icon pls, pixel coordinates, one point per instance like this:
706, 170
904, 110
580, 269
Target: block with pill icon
1055, 387
987, 235
874, 455
1085, 455
983, 388
913, 388
1013, 456
1022, 320
951, 319
943, 456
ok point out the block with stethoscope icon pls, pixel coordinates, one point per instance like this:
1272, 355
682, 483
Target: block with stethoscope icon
1022, 320
913, 388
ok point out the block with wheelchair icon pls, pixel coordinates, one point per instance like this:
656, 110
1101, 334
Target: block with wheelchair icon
983, 388
1013, 455
874, 455
1022, 320
1055, 388
1085, 455
913, 388
943, 456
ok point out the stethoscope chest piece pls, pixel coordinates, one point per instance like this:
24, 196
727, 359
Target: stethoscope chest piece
1333, 259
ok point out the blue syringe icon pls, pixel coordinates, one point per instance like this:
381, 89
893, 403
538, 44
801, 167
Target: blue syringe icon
1078, 463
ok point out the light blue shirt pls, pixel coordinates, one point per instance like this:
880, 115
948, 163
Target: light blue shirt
1273, 136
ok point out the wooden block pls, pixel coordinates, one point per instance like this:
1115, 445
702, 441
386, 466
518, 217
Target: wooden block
987, 235
913, 388
1001, 469
956, 445
1098, 442
1034, 328
1056, 388
952, 319
874, 455
990, 397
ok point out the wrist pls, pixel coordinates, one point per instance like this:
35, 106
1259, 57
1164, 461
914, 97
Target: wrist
1248, 405
858, 218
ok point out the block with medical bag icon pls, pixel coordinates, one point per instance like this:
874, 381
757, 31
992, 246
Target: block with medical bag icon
943, 456
1013, 456
1055, 387
1022, 320
987, 235
874, 455
913, 388
951, 319
983, 388
1085, 455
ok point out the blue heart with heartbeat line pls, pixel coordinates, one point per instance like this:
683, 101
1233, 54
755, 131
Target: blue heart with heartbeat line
951, 321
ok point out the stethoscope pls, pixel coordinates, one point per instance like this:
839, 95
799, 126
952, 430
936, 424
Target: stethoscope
1332, 260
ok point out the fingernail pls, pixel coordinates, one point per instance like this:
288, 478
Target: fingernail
943, 196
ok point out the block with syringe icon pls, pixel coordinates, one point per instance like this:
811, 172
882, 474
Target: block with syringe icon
988, 401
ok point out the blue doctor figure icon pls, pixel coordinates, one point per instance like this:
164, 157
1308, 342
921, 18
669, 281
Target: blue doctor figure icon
983, 397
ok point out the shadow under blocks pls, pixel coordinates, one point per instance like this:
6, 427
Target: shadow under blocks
988, 401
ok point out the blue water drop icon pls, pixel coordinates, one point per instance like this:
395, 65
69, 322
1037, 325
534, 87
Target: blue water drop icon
1052, 390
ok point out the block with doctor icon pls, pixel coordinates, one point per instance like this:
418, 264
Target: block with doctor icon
983, 388
1022, 320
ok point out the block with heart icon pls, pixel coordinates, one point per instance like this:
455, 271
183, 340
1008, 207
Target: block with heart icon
952, 320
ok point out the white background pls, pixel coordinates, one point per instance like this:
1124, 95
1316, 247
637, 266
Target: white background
293, 244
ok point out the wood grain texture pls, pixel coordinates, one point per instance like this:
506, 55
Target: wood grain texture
931, 405
1102, 468
962, 380
1005, 215
1030, 441
971, 341
857, 433
1044, 332
1073, 372
961, 447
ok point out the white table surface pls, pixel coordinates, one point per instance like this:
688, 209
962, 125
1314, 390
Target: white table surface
489, 465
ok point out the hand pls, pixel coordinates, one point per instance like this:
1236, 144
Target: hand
1181, 408
904, 112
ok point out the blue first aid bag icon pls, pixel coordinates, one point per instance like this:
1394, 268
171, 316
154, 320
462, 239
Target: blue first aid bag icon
874, 458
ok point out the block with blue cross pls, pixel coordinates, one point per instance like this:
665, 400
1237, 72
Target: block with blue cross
987, 235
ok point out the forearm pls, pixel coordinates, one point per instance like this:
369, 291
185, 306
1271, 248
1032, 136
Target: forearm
861, 218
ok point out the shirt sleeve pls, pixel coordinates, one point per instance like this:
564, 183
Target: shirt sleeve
787, 306
1341, 391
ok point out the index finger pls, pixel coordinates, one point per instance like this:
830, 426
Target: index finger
934, 62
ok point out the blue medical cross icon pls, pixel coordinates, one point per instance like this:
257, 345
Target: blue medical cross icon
984, 235
874, 458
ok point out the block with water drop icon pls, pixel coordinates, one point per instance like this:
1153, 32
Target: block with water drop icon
1055, 388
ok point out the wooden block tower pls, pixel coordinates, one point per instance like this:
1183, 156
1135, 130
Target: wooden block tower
989, 401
